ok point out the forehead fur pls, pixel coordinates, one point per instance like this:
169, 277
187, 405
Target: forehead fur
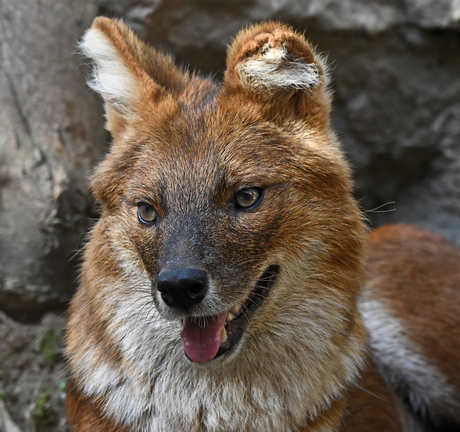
200, 138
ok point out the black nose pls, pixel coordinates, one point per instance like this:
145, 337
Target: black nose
183, 288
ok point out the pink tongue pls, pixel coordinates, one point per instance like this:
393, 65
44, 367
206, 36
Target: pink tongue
201, 337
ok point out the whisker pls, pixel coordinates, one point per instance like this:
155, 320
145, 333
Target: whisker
377, 209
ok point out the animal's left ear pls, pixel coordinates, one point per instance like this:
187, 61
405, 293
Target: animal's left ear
272, 64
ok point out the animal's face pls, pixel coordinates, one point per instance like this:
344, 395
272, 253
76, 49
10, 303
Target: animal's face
225, 205
228, 238
214, 207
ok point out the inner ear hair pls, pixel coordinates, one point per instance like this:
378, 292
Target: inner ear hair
273, 55
276, 68
111, 77
273, 65
129, 74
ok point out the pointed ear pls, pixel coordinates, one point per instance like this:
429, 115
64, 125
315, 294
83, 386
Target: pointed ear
272, 64
127, 73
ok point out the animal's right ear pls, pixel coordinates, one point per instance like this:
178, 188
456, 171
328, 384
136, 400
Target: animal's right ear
127, 73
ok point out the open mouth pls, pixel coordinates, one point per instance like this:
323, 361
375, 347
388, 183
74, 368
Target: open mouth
207, 338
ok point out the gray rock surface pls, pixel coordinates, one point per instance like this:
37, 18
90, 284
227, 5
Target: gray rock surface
6, 424
32, 375
396, 75
51, 134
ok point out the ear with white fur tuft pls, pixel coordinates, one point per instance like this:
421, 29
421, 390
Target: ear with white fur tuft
127, 73
274, 65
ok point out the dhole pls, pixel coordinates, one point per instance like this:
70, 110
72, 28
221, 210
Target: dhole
222, 287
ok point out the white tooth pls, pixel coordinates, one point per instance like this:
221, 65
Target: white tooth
235, 310
230, 316
223, 335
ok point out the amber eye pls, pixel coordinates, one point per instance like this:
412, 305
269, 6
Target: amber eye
248, 197
146, 214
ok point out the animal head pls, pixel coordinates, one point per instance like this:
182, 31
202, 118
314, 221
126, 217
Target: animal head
228, 227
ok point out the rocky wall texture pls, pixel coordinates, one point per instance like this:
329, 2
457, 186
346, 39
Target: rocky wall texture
51, 134
32, 376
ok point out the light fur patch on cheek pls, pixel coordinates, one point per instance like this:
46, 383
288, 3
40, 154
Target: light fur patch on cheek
111, 78
276, 69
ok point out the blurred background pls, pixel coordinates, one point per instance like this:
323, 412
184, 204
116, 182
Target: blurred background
395, 67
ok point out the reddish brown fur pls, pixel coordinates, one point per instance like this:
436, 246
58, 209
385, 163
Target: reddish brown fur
416, 275
85, 415
313, 108
185, 147
404, 256
372, 406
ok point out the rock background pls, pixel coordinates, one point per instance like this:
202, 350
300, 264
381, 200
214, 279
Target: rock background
51, 134
395, 66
